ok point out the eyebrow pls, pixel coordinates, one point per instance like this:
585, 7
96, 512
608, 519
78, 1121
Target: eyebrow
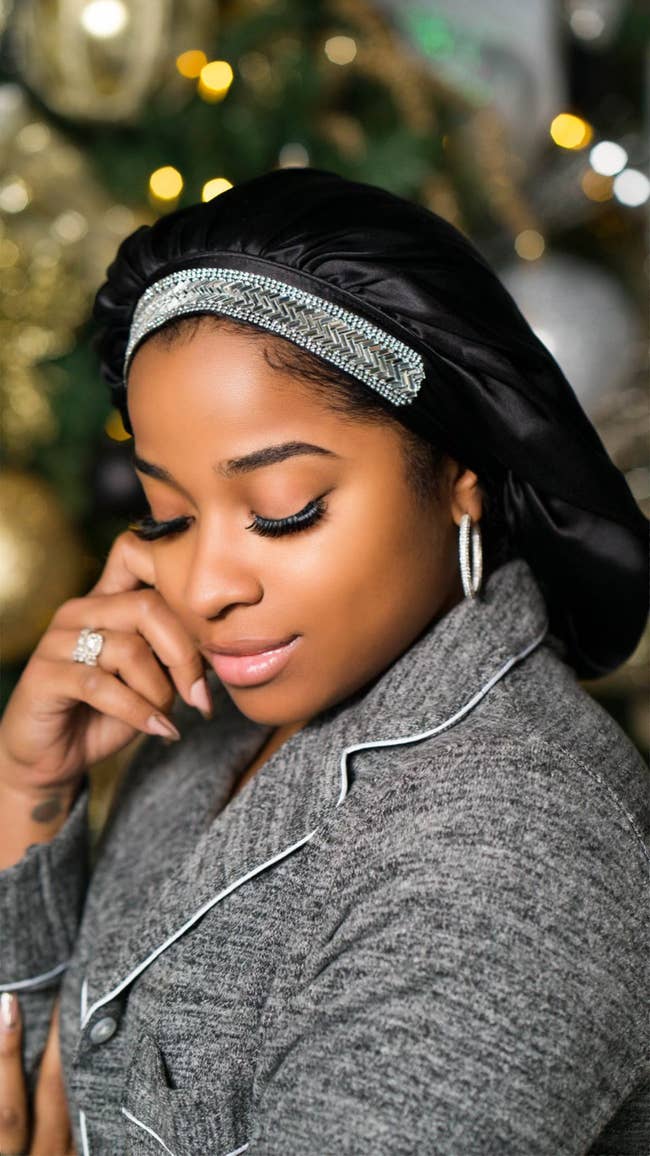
233, 467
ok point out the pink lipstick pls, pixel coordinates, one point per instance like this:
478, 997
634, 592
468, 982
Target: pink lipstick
253, 668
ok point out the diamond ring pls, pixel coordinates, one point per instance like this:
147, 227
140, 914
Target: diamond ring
89, 646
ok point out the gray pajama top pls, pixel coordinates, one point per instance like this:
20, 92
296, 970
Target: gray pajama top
421, 927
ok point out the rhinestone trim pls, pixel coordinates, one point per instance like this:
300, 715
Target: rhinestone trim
344, 338
471, 574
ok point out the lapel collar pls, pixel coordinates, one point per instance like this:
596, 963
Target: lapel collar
438, 680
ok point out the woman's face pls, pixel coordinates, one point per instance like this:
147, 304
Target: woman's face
367, 565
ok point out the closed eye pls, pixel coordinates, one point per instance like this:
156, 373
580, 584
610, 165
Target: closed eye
150, 530
276, 527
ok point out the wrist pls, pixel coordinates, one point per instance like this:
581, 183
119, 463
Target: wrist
47, 799
24, 782
32, 815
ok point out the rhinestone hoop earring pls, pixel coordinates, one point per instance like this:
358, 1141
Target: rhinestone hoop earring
470, 574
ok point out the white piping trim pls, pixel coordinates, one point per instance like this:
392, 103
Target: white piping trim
305, 839
146, 1128
85, 1146
37, 981
443, 725
189, 923
83, 1003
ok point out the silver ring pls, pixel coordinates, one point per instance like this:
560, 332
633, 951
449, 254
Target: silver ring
89, 646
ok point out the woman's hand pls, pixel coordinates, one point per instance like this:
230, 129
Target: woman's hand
49, 1133
63, 716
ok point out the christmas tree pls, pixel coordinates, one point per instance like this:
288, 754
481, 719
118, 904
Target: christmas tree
113, 112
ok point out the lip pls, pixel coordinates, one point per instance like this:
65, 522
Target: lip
248, 646
250, 661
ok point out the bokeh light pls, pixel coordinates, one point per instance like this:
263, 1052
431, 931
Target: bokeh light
190, 63
632, 188
14, 195
293, 155
114, 427
166, 183
596, 186
215, 79
608, 158
214, 187
340, 49
587, 23
529, 244
104, 19
571, 132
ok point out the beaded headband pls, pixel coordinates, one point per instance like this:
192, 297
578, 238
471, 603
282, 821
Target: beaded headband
344, 338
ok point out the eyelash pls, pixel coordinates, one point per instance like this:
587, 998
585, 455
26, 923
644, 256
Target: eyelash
149, 529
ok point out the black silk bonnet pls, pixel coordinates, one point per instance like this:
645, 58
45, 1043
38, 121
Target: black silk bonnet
479, 383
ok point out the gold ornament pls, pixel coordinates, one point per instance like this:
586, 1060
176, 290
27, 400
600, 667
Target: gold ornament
41, 563
58, 232
95, 61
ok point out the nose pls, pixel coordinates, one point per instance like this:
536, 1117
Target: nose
220, 575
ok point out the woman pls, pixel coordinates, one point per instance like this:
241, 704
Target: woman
385, 895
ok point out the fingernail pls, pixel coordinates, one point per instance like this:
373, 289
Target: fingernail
9, 1009
157, 724
200, 697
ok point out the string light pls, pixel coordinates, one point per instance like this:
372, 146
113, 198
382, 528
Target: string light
190, 63
608, 158
166, 183
215, 78
571, 132
632, 188
214, 187
340, 49
104, 19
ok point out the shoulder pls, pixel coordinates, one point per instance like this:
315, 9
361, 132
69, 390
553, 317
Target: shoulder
534, 808
538, 754
507, 794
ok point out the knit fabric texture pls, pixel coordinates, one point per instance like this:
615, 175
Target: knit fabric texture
421, 927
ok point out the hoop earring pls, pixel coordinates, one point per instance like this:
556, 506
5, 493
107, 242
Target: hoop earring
470, 574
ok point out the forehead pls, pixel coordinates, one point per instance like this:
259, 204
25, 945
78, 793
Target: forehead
214, 374
213, 394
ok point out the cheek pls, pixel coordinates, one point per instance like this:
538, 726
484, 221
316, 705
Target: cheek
370, 553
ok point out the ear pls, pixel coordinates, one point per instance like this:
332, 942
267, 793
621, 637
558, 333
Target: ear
466, 495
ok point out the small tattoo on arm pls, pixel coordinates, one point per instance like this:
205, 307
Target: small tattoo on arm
47, 810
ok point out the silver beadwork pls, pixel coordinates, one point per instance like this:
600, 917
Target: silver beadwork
338, 335
89, 646
470, 574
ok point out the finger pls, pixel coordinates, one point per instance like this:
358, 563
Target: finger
129, 563
146, 612
51, 1135
14, 1124
66, 681
128, 656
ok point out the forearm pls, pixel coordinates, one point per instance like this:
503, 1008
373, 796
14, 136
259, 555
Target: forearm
42, 891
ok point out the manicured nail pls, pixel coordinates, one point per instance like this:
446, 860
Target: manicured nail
200, 697
9, 1010
157, 724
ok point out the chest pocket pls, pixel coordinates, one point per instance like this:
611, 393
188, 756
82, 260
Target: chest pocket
157, 1118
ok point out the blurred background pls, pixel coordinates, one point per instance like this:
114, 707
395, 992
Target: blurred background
524, 122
